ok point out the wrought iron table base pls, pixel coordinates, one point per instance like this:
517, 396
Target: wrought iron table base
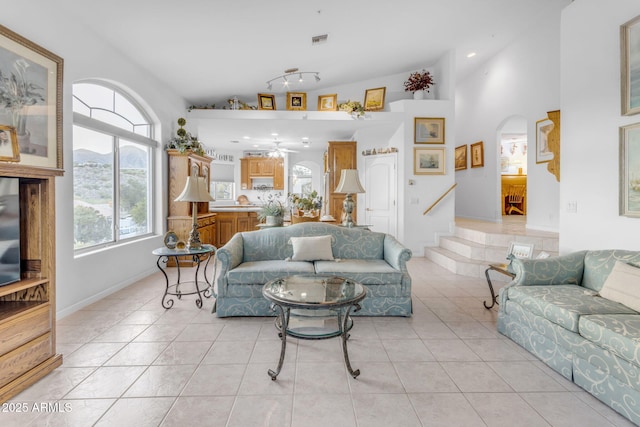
500, 268
174, 289
282, 324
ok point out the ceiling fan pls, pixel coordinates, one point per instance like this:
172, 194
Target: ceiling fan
278, 151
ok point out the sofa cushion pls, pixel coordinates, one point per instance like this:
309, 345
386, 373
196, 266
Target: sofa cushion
264, 271
564, 304
311, 248
598, 265
618, 333
369, 272
623, 285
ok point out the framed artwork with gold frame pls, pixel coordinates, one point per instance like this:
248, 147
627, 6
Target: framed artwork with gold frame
9, 150
428, 161
374, 99
36, 115
477, 154
328, 102
630, 66
630, 170
296, 101
428, 130
266, 101
461, 157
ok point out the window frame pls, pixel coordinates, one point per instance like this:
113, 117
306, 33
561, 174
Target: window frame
117, 134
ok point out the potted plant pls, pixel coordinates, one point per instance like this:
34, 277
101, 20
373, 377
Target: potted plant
419, 82
272, 210
308, 203
184, 141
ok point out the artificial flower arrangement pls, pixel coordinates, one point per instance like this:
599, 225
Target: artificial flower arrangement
184, 141
419, 81
352, 107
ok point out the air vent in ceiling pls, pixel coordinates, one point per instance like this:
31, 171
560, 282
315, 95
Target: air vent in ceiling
319, 39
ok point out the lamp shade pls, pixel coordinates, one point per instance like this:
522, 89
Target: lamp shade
349, 182
195, 191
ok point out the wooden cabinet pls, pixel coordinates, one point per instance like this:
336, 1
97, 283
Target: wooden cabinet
245, 182
340, 155
261, 167
27, 307
180, 220
278, 174
230, 223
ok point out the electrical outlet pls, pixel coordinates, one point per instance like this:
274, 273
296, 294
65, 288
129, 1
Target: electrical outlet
572, 206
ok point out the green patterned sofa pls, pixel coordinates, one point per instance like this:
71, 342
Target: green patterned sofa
250, 259
553, 309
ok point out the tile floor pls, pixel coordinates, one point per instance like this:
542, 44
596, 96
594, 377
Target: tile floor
129, 362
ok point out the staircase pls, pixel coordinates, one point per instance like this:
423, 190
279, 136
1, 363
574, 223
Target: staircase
475, 244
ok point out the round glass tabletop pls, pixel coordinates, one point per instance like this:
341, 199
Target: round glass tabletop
314, 291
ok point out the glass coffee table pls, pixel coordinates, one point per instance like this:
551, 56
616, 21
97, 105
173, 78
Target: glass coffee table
314, 308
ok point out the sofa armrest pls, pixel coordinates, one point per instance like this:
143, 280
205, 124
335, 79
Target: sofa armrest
561, 270
229, 256
396, 254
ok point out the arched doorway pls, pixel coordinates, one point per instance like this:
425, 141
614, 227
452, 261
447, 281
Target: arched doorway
512, 174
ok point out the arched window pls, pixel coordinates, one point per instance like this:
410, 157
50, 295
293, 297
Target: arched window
112, 165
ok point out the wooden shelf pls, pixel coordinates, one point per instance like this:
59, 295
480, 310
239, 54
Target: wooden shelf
20, 286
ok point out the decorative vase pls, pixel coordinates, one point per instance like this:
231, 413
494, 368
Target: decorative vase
419, 94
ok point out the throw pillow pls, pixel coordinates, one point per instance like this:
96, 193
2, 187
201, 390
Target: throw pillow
312, 248
623, 285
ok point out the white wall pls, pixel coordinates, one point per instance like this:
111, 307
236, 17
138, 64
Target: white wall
521, 80
590, 123
88, 278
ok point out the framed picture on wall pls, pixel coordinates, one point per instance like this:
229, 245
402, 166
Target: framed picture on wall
543, 151
374, 99
630, 170
428, 161
461, 157
477, 154
328, 102
266, 101
630, 66
428, 130
296, 101
31, 85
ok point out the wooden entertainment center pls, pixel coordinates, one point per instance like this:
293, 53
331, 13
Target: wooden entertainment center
27, 307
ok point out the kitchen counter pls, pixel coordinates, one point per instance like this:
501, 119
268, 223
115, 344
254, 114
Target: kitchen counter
235, 208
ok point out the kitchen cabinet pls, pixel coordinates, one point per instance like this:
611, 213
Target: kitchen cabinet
340, 155
230, 223
261, 167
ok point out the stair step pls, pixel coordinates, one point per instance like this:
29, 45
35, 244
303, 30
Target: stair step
473, 247
458, 264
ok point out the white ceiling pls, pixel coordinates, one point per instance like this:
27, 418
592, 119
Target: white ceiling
210, 50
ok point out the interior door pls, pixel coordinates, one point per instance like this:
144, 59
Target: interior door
380, 183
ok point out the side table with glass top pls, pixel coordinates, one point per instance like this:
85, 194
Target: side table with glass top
502, 269
180, 288
314, 308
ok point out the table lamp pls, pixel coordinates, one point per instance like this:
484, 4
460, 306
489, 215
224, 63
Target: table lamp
349, 184
195, 191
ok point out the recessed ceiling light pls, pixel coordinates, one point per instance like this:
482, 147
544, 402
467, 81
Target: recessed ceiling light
274, 134
246, 137
234, 141
471, 54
